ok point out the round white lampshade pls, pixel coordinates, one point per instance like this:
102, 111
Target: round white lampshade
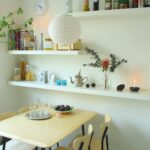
64, 30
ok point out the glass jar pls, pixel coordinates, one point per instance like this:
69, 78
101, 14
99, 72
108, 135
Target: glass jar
108, 4
146, 3
124, 4
115, 4
48, 44
17, 75
68, 6
86, 5
29, 74
95, 4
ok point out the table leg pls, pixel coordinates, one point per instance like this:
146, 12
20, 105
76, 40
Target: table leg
83, 130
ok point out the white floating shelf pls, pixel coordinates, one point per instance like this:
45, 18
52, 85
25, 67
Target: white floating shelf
130, 12
50, 52
142, 95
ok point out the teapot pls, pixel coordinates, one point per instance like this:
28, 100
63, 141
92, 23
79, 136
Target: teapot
79, 80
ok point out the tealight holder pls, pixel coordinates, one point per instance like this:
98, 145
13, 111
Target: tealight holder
134, 89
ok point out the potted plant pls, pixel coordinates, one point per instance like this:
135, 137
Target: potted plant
10, 26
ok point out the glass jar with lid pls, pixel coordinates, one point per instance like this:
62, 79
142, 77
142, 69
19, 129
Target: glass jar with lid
17, 74
29, 74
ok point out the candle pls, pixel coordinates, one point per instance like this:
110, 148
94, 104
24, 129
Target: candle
35, 29
41, 26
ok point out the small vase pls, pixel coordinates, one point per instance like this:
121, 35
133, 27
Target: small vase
106, 80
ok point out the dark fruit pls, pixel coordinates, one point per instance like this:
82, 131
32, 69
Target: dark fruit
93, 85
120, 87
57, 107
87, 85
63, 108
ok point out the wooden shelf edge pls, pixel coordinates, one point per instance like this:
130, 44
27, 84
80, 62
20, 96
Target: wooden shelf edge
142, 95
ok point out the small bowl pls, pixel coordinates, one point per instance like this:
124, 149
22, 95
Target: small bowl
134, 89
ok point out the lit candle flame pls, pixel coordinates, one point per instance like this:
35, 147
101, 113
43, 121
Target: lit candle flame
134, 82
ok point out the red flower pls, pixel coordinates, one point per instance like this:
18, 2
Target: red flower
105, 63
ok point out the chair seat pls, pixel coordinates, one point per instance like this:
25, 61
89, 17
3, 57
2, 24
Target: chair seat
62, 148
17, 145
95, 144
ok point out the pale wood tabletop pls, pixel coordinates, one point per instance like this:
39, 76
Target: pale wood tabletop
44, 133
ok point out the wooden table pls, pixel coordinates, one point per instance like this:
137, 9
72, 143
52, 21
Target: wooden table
44, 133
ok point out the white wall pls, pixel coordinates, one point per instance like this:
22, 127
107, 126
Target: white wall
8, 95
126, 37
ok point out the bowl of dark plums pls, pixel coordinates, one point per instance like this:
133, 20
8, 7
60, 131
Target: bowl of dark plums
64, 109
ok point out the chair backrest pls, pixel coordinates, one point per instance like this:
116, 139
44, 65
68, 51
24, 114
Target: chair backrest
23, 109
6, 115
83, 142
104, 130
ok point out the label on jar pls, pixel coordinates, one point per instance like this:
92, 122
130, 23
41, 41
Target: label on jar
48, 45
108, 6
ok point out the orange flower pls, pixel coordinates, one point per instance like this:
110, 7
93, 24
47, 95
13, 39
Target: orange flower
105, 63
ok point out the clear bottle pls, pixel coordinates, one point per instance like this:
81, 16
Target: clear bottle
68, 6
17, 75
95, 4
22, 66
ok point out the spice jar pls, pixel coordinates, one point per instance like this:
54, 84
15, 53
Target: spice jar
22, 66
86, 5
29, 74
124, 4
48, 44
115, 4
95, 4
146, 3
135, 3
108, 4
16, 76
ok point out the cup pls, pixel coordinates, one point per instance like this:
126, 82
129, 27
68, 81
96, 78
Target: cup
64, 82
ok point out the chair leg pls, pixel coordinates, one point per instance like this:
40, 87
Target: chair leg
89, 147
57, 144
107, 144
83, 130
4, 145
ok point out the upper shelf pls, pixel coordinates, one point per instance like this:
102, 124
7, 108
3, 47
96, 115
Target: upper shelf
113, 13
42, 52
142, 95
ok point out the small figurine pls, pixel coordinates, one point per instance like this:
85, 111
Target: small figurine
79, 80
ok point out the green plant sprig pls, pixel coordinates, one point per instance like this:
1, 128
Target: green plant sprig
95, 56
114, 63
9, 22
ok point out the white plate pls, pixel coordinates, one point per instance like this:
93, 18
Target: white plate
63, 112
38, 115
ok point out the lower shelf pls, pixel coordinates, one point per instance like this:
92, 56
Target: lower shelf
142, 95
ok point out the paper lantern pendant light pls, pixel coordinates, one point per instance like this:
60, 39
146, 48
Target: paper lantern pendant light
64, 30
